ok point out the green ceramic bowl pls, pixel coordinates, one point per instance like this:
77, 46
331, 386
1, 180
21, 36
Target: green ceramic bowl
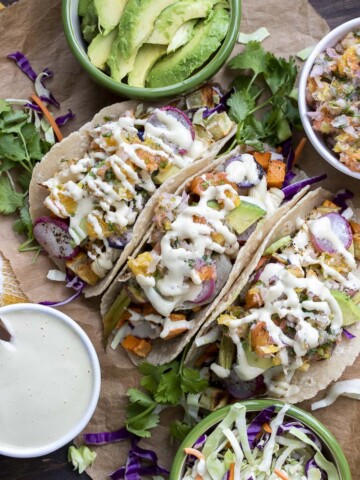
78, 47
332, 449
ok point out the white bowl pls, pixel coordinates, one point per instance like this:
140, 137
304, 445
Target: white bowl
82, 378
317, 140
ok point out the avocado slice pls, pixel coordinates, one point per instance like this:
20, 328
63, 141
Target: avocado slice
171, 19
99, 49
350, 311
146, 57
165, 174
89, 22
182, 36
109, 13
256, 361
137, 23
178, 66
243, 216
119, 66
279, 244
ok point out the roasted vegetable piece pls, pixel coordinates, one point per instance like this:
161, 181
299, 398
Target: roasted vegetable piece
276, 174
139, 346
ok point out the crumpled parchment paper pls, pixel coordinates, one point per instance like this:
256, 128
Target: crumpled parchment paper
34, 27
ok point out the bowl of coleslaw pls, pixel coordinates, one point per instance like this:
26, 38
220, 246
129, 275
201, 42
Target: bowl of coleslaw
256, 439
329, 98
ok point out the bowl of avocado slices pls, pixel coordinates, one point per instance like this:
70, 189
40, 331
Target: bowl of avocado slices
151, 49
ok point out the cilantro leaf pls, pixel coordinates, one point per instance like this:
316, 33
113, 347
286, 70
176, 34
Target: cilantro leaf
241, 104
10, 200
169, 389
152, 375
140, 416
280, 75
11, 147
179, 430
4, 106
252, 58
137, 396
191, 381
243, 82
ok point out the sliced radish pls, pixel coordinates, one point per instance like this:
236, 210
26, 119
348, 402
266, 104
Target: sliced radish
53, 236
339, 227
180, 116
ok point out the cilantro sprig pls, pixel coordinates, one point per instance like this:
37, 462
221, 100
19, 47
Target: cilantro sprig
263, 103
22, 145
163, 386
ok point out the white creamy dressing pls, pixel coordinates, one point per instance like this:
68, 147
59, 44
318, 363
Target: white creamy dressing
118, 200
46, 380
246, 169
178, 283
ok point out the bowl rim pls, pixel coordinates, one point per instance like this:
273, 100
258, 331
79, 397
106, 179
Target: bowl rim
188, 84
254, 406
316, 138
31, 452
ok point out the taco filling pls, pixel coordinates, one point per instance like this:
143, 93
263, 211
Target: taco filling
101, 195
301, 298
190, 252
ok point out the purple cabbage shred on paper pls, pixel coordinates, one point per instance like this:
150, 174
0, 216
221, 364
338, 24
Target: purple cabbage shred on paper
60, 121
140, 462
103, 438
134, 468
72, 282
23, 63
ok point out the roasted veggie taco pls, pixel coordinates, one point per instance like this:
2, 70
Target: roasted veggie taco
91, 196
202, 237
290, 325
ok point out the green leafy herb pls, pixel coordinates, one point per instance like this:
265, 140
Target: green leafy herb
22, 145
164, 386
263, 104
179, 430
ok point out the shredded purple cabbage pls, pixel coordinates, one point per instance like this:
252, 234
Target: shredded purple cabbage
200, 442
60, 121
341, 197
255, 426
289, 177
221, 106
291, 190
288, 426
43, 92
348, 334
23, 63
312, 464
72, 282
288, 152
103, 438
134, 470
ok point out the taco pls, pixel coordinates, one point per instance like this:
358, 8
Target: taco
91, 196
202, 237
286, 328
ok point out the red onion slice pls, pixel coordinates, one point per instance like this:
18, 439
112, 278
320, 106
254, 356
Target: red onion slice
208, 289
53, 236
340, 227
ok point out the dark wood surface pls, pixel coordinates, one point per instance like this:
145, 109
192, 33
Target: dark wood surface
55, 466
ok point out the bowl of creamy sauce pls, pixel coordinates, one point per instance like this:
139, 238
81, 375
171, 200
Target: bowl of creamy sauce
49, 380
